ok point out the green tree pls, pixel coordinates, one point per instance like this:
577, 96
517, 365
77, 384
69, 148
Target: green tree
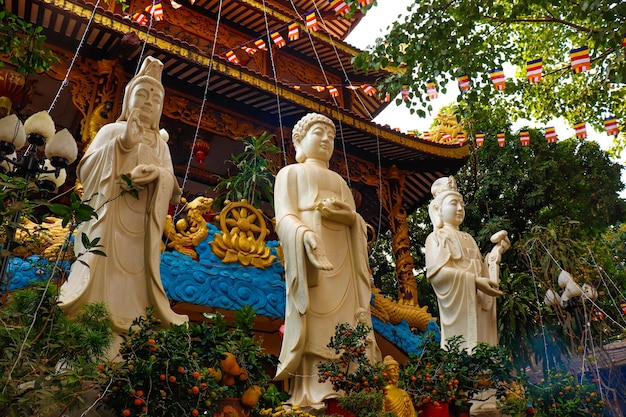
48, 360
556, 201
23, 43
254, 179
440, 40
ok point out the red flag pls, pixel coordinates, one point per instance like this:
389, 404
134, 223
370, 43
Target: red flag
524, 137
431, 90
369, 90
580, 59
550, 135
260, 43
232, 57
460, 137
333, 91
497, 77
464, 82
534, 70
311, 22
278, 40
426, 136
611, 126
156, 10
294, 32
405, 92
340, 7
140, 18
249, 50
581, 130
501, 139
480, 139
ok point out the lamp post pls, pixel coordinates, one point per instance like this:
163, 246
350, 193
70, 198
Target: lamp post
19, 160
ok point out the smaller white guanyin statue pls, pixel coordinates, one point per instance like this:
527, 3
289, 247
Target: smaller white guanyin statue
128, 278
465, 284
327, 276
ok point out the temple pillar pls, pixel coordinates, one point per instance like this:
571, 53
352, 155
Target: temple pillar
393, 190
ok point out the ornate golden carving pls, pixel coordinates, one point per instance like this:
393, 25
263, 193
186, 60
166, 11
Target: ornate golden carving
48, 239
103, 106
393, 190
191, 229
243, 236
446, 123
388, 310
180, 108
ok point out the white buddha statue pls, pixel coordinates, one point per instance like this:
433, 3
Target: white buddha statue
326, 268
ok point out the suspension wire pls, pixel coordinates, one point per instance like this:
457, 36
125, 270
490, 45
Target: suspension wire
145, 42
204, 100
280, 117
543, 327
587, 337
321, 66
48, 281
69, 68
601, 273
361, 102
584, 296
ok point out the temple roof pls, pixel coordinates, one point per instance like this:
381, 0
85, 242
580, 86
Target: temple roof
243, 90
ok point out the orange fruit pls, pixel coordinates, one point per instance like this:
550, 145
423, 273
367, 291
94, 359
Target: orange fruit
228, 380
126, 413
216, 374
251, 397
229, 364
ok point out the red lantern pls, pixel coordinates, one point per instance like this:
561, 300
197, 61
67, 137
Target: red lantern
200, 158
201, 149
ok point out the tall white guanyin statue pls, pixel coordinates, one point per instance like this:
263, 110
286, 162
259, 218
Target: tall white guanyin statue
128, 279
326, 268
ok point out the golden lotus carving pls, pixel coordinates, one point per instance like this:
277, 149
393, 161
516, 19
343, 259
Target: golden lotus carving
243, 236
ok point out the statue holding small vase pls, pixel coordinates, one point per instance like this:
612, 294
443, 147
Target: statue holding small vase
466, 284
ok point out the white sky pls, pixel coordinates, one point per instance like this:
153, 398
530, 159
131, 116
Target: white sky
374, 25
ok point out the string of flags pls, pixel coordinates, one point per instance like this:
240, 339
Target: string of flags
611, 127
579, 61
550, 135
